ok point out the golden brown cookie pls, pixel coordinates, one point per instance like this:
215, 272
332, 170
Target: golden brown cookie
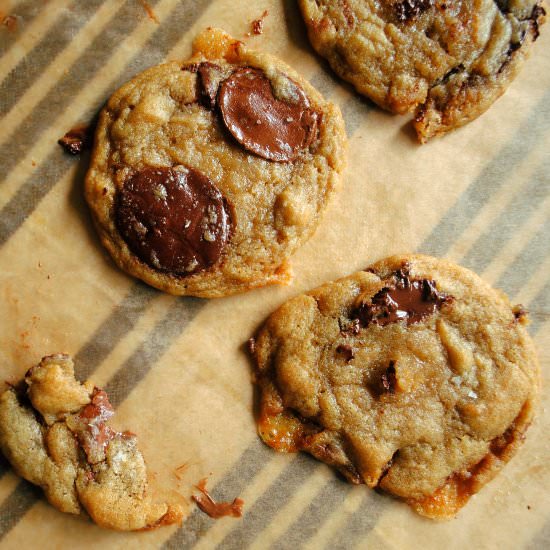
447, 60
54, 432
207, 175
413, 376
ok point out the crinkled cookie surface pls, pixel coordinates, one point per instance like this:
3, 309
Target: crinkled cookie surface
447, 60
54, 432
413, 376
207, 175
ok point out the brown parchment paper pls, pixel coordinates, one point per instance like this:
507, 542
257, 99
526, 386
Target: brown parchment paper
176, 368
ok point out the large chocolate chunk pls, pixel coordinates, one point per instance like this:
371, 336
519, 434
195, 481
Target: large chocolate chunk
407, 300
173, 219
272, 128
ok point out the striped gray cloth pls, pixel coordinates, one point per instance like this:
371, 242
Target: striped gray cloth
175, 367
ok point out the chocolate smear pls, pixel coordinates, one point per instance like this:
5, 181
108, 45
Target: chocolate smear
174, 219
215, 509
272, 128
409, 300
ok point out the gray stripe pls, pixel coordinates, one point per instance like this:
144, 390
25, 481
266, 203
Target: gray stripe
120, 322
17, 505
499, 232
539, 310
298, 472
354, 111
25, 12
73, 80
329, 499
35, 188
492, 177
35, 62
362, 521
136, 367
530, 258
250, 463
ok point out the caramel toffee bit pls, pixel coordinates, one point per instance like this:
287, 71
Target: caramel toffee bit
408, 300
215, 509
76, 140
346, 351
251, 344
173, 219
10, 22
410, 9
272, 128
258, 24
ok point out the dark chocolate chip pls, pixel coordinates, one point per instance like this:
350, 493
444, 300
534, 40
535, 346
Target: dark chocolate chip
272, 128
174, 219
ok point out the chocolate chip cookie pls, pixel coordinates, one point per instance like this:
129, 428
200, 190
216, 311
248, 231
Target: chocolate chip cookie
413, 376
447, 60
207, 175
54, 432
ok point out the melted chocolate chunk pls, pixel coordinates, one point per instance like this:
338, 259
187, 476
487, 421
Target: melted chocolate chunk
409, 9
272, 128
209, 85
409, 300
91, 429
173, 219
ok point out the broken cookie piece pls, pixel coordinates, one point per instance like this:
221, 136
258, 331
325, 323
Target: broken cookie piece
446, 61
54, 432
412, 376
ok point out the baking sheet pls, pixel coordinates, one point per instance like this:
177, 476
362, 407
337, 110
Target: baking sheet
176, 368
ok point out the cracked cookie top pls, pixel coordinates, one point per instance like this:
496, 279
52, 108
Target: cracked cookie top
413, 376
446, 60
54, 432
208, 174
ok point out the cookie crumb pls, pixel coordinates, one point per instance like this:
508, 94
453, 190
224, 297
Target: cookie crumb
215, 509
76, 140
258, 24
